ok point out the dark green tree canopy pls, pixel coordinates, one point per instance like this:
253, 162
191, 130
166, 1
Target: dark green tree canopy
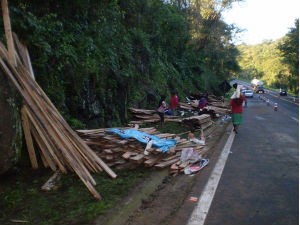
96, 58
275, 62
290, 52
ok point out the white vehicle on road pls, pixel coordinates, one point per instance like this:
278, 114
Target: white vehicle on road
248, 93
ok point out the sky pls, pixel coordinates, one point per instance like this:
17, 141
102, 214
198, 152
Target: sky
262, 19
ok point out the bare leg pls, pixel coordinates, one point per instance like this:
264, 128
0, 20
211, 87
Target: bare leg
235, 128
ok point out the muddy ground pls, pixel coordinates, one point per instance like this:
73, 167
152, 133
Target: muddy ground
162, 199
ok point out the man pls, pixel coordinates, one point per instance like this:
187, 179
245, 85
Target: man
174, 102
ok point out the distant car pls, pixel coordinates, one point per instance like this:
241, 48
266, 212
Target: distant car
248, 93
260, 90
243, 90
283, 92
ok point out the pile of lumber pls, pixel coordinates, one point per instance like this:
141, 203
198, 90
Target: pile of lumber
60, 147
198, 122
129, 153
218, 107
215, 105
149, 116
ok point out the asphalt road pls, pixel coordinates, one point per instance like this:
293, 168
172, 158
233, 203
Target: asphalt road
260, 181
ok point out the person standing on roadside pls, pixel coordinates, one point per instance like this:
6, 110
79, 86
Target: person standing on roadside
236, 103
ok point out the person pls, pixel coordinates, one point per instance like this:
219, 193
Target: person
246, 101
162, 107
236, 103
202, 102
174, 103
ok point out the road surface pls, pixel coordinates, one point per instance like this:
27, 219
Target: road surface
259, 184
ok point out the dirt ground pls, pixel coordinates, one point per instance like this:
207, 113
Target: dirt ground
169, 202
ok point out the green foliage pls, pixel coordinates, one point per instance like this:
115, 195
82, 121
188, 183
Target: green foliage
274, 62
289, 49
76, 124
97, 58
21, 199
262, 61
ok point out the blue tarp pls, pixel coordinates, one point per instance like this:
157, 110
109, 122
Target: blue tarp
162, 144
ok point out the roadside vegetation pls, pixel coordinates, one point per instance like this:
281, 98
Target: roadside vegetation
95, 59
71, 203
23, 201
276, 63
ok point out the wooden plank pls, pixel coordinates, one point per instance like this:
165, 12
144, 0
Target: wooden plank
23, 52
127, 155
8, 33
139, 158
51, 183
152, 160
172, 157
28, 138
45, 146
46, 156
167, 163
174, 166
51, 129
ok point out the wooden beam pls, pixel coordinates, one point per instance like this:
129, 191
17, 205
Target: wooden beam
8, 33
28, 138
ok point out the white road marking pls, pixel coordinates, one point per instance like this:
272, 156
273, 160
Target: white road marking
295, 119
200, 212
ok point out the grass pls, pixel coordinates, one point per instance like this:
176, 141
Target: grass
72, 204
22, 199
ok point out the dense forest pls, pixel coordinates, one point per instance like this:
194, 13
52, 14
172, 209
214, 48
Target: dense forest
274, 62
94, 59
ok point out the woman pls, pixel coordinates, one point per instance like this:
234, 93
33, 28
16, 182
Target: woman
236, 103
162, 107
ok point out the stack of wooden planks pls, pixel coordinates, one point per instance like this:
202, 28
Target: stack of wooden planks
218, 107
59, 146
83, 152
198, 122
149, 116
129, 153
215, 104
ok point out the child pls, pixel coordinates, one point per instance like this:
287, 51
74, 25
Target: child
162, 107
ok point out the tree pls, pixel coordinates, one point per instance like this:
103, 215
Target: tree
290, 52
264, 62
97, 58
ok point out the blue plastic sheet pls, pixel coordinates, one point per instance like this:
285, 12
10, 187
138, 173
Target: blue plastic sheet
163, 144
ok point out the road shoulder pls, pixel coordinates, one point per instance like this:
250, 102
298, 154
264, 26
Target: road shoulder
163, 199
